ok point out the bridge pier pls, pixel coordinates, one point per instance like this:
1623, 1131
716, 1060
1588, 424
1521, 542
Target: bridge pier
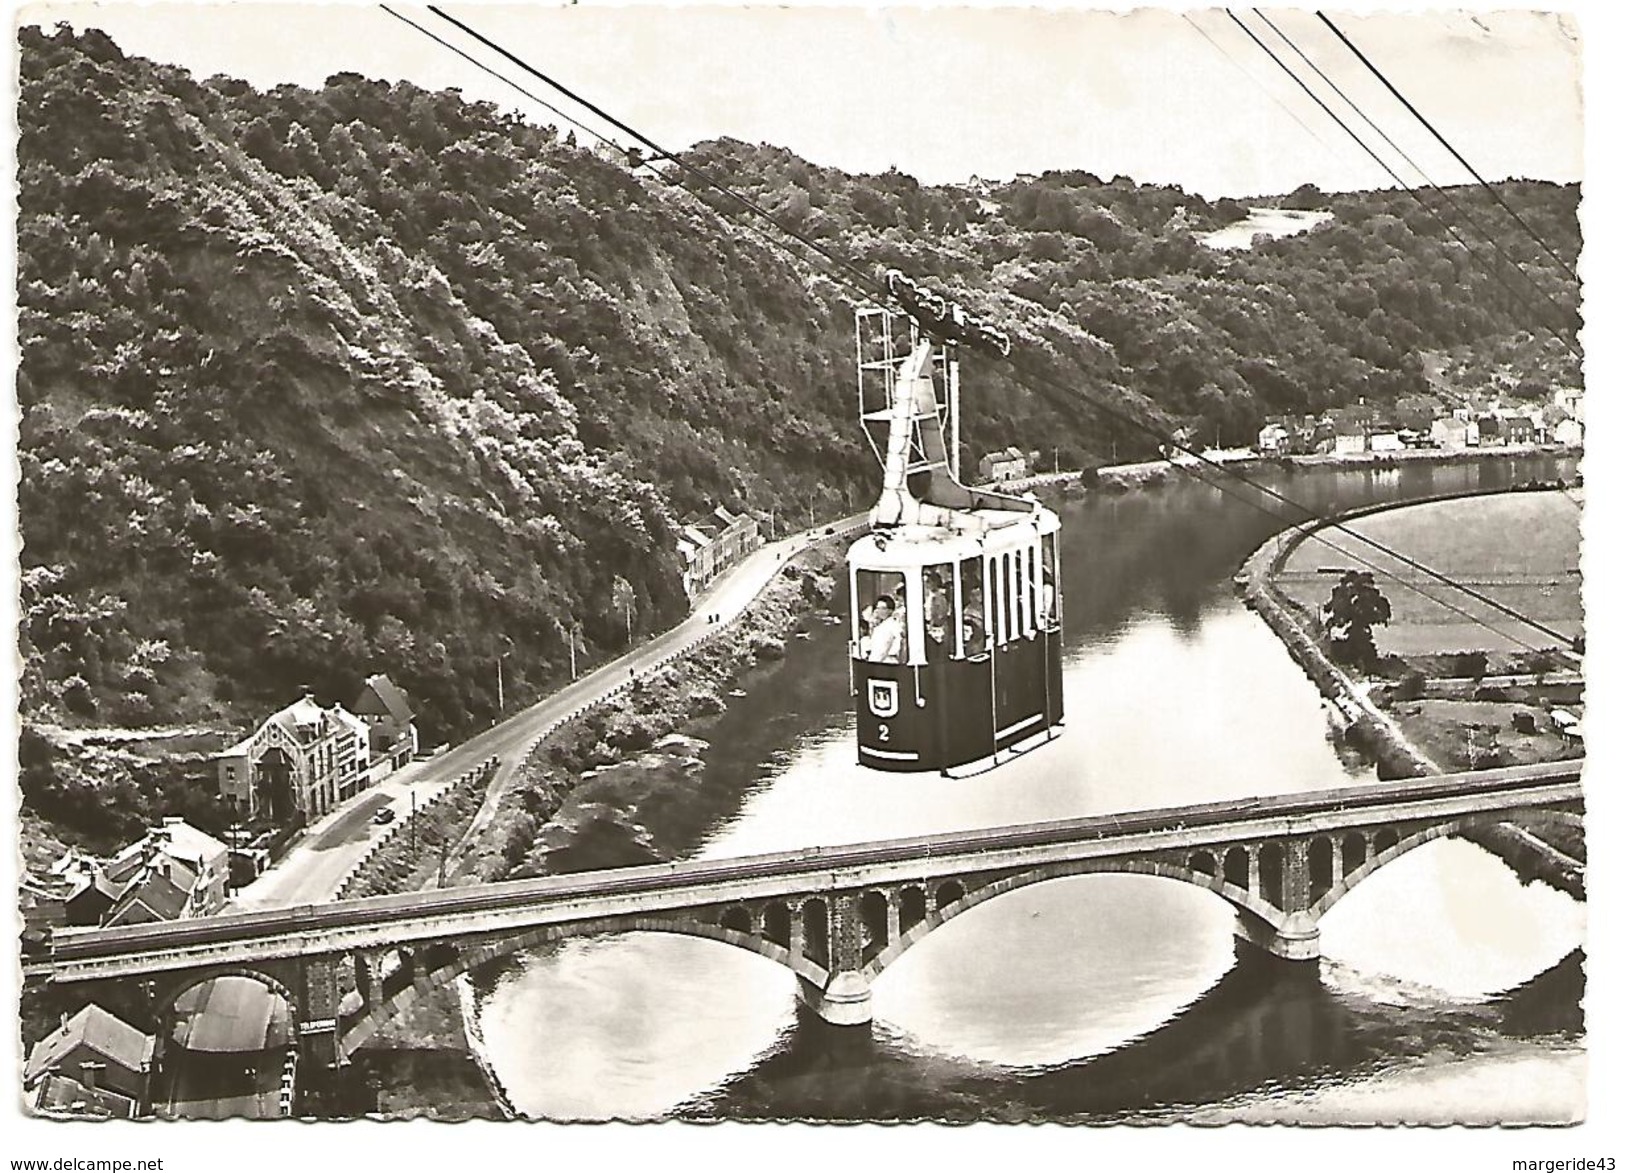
1298, 938
844, 1001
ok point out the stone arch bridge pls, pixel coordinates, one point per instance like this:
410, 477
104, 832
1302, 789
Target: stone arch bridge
836, 917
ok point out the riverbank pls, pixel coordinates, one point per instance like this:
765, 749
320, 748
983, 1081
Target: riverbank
1429, 714
609, 789
1150, 473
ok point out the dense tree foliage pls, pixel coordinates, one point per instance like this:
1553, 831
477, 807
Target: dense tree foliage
318, 383
1356, 605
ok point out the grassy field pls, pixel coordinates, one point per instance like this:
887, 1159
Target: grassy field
1471, 735
1521, 549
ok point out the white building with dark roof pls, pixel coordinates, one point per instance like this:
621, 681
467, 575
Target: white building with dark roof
296, 766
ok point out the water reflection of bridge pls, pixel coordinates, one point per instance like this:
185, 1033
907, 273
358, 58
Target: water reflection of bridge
1265, 1026
836, 917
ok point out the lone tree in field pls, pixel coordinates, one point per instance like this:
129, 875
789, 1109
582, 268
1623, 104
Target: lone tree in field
1356, 606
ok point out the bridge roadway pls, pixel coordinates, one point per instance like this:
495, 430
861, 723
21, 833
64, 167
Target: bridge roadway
1130, 841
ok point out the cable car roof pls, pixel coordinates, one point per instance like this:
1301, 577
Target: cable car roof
900, 547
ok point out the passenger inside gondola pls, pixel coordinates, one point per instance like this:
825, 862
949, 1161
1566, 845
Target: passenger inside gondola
939, 619
886, 635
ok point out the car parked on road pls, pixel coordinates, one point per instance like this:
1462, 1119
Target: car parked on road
384, 814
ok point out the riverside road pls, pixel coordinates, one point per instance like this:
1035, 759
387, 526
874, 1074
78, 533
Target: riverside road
313, 870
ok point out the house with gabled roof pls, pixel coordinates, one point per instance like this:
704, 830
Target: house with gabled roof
172, 872
96, 1049
1007, 464
387, 715
295, 767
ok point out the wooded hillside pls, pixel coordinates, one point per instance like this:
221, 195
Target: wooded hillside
317, 384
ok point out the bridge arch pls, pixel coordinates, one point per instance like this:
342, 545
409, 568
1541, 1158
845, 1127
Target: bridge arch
1237, 896
166, 1005
1387, 845
357, 1029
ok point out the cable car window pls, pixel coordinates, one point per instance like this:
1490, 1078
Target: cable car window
1049, 595
1022, 608
936, 584
1006, 600
1034, 605
973, 615
879, 629
995, 616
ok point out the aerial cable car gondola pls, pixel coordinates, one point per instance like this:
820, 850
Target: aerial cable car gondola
955, 591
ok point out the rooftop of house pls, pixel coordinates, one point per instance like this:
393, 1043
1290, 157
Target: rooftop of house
151, 896
302, 721
59, 1095
101, 1031
177, 839
381, 698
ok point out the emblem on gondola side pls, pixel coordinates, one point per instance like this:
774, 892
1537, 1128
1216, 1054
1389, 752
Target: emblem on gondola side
883, 698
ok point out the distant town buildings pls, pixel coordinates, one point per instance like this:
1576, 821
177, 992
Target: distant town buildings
1427, 422
711, 543
305, 759
1450, 432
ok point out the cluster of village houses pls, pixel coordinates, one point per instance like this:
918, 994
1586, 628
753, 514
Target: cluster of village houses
95, 1063
301, 762
1480, 422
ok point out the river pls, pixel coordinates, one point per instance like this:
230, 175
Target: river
1445, 986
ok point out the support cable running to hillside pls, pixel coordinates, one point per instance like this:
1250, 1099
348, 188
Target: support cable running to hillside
1518, 296
509, 82
1245, 72
661, 153
1460, 211
645, 164
863, 293
1482, 182
1310, 523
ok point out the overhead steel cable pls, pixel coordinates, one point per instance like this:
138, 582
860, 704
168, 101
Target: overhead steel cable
1066, 394
1288, 110
661, 152
507, 81
1417, 167
1557, 331
1305, 530
647, 164
1484, 183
